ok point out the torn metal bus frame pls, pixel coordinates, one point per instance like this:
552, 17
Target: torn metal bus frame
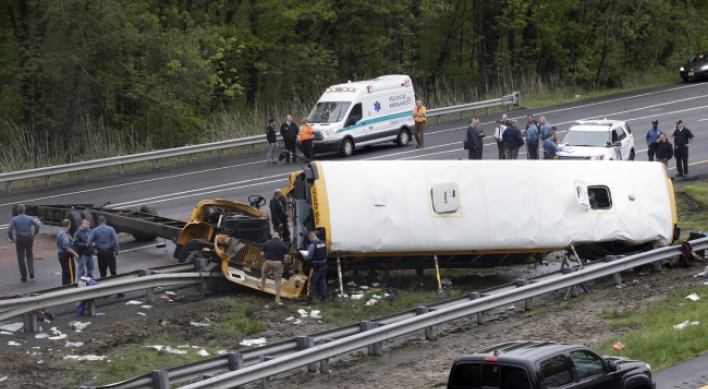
400, 214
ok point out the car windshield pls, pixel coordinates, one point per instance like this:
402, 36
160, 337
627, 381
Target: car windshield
698, 58
586, 138
329, 112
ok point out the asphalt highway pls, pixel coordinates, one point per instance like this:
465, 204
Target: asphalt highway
175, 191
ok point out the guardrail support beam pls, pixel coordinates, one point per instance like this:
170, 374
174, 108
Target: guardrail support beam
221, 153
428, 330
324, 364
46, 181
30, 322
528, 303
375, 349
617, 277
508, 108
160, 379
154, 163
149, 292
8, 185
189, 158
486, 111
303, 343
437, 118
480, 315
252, 149
202, 377
657, 266
91, 307
236, 363
265, 382
85, 173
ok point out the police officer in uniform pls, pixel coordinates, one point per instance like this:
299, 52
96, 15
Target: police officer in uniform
683, 139
23, 237
276, 255
66, 253
317, 254
550, 146
105, 240
85, 265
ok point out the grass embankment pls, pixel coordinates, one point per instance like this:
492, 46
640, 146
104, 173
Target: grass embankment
656, 342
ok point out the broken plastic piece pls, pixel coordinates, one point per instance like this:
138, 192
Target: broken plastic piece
85, 357
704, 273
298, 321
693, 297
203, 353
58, 337
315, 314
79, 326
222, 352
253, 342
364, 287
195, 324
289, 318
146, 306
371, 302
351, 283
100, 314
12, 327
73, 344
141, 313
13, 343
41, 335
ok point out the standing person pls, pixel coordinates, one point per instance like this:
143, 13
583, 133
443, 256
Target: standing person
550, 146
66, 253
21, 225
85, 263
307, 136
317, 254
544, 128
420, 119
276, 255
105, 240
664, 150
514, 141
272, 142
531, 139
279, 215
289, 131
499, 137
472, 141
481, 134
652, 138
683, 138
530, 121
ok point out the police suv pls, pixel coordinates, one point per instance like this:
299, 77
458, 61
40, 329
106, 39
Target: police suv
363, 113
598, 140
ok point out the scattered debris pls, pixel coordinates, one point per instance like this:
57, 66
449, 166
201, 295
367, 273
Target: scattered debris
41, 335
6, 333
146, 306
79, 326
364, 287
41, 361
298, 321
3, 378
686, 324
13, 343
133, 302
73, 344
203, 353
618, 346
141, 313
12, 327
357, 354
222, 352
704, 273
511, 308
195, 324
693, 297
100, 314
375, 284
168, 349
58, 337
289, 318
163, 322
85, 357
351, 283
253, 342
357, 295
303, 313
315, 314
376, 296
371, 302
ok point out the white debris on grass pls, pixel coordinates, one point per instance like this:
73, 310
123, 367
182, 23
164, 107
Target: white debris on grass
686, 324
315, 314
133, 302
168, 349
291, 318
351, 283
3, 378
704, 273
222, 352
196, 324
12, 327
376, 296
41, 361
303, 313
203, 353
41, 335
141, 313
371, 302
13, 343
357, 295
693, 297
90, 357
375, 284
253, 342
364, 287
73, 344
298, 321
146, 306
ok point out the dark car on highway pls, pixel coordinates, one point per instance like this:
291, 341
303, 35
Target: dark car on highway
696, 67
542, 365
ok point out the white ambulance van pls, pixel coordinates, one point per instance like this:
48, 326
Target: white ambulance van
364, 113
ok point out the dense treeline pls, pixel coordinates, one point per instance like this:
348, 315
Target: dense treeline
156, 71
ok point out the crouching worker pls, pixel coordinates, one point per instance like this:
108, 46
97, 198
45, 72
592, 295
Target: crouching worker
276, 254
317, 254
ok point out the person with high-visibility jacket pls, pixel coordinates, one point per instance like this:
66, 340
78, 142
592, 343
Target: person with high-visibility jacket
307, 135
419, 116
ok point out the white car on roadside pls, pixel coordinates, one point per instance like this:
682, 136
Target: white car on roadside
598, 140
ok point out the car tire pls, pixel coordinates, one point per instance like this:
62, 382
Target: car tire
631, 155
403, 138
347, 148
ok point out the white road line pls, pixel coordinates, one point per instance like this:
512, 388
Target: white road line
701, 120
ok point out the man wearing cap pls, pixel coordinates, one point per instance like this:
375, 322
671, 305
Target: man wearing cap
279, 215
550, 146
276, 254
683, 138
652, 138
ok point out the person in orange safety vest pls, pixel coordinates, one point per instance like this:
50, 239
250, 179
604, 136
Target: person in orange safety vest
420, 121
307, 136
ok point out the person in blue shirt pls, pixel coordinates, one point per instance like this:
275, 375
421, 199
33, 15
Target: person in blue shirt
545, 127
652, 138
550, 147
23, 237
65, 247
531, 139
513, 139
105, 240
85, 265
317, 255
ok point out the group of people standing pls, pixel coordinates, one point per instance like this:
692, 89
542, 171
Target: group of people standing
659, 146
101, 241
510, 139
290, 133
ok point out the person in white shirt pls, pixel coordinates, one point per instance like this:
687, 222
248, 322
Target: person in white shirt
498, 136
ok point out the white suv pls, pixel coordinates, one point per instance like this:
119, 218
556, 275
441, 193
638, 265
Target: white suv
599, 140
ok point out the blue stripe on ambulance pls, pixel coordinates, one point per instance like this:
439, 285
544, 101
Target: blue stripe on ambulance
379, 119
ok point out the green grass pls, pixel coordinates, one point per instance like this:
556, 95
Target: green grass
656, 342
238, 321
692, 207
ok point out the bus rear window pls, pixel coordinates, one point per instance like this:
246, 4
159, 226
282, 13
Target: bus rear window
488, 376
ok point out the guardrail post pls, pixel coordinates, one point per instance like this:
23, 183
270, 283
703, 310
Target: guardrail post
199, 264
486, 111
189, 158
236, 363
8, 185
85, 175
30, 322
202, 377
428, 330
149, 292
252, 149
372, 349
617, 277
160, 379
265, 382
657, 266
573, 289
462, 115
324, 364
303, 343
46, 181
480, 315
121, 171
438, 119
91, 307
528, 303
154, 163
221, 153
508, 107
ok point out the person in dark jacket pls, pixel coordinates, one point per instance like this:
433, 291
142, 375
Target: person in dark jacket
473, 138
84, 266
481, 134
664, 150
683, 139
514, 141
272, 142
289, 131
23, 237
279, 215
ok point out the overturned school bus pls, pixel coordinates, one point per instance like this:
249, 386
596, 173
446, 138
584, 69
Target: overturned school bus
400, 214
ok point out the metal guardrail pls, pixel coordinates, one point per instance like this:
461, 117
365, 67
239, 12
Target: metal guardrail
251, 141
291, 351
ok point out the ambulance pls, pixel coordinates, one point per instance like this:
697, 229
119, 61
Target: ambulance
363, 113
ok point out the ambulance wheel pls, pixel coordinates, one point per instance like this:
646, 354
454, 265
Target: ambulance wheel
403, 138
631, 155
347, 148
